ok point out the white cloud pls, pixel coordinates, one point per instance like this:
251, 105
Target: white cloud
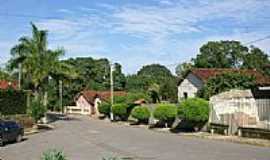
167, 33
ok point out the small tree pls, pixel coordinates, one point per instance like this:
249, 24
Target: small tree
166, 113
142, 114
37, 110
120, 111
195, 111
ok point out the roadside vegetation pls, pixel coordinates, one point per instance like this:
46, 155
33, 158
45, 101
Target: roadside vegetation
47, 82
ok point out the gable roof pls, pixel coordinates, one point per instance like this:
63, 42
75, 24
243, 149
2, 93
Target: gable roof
91, 95
7, 84
205, 74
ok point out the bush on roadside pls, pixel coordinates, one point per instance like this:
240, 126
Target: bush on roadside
141, 113
194, 113
194, 109
120, 111
104, 108
53, 155
166, 113
37, 110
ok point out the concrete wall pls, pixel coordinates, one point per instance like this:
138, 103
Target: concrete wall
191, 85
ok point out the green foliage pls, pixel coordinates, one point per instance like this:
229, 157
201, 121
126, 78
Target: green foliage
12, 102
224, 82
183, 69
37, 110
194, 109
120, 99
104, 108
93, 74
151, 78
120, 111
134, 96
221, 54
4, 75
168, 90
141, 113
256, 59
231, 54
165, 112
53, 155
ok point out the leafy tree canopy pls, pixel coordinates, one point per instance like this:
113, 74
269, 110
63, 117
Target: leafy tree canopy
224, 82
156, 79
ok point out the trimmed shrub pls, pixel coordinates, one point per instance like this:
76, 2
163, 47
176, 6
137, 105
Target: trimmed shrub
53, 155
104, 108
120, 111
194, 109
12, 102
166, 113
120, 99
142, 114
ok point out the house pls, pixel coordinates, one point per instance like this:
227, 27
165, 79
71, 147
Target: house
195, 80
4, 84
87, 101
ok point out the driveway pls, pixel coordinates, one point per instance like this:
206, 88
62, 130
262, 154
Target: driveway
85, 139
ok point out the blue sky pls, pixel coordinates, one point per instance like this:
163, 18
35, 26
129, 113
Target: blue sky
135, 32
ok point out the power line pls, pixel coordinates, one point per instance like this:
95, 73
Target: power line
257, 40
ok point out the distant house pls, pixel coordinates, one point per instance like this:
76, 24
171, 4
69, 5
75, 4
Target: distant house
4, 84
196, 79
87, 101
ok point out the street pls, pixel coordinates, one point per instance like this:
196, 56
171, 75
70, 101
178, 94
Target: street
85, 139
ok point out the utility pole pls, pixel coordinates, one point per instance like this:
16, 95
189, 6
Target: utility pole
20, 76
61, 95
112, 98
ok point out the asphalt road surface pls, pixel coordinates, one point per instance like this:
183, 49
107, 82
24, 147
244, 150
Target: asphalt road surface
85, 139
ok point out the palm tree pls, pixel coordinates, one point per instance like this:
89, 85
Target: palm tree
38, 62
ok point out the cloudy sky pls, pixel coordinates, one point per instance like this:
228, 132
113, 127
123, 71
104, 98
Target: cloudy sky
135, 32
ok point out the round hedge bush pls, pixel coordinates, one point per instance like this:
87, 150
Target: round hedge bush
104, 108
194, 109
142, 114
165, 113
120, 111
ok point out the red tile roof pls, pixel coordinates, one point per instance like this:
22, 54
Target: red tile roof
91, 95
7, 84
205, 73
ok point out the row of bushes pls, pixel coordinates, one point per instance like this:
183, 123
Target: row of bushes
193, 110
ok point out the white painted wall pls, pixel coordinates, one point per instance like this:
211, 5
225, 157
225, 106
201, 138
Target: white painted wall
84, 106
191, 85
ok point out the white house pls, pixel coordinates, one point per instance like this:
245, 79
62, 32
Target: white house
196, 79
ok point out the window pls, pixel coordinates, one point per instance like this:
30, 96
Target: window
185, 95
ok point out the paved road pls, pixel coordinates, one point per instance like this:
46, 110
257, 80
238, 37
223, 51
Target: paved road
84, 139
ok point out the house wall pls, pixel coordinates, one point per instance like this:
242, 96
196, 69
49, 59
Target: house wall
191, 85
84, 106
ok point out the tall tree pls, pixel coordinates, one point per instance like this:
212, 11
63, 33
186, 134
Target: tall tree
37, 61
182, 69
154, 78
256, 59
221, 54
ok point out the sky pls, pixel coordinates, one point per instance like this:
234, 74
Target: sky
135, 32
